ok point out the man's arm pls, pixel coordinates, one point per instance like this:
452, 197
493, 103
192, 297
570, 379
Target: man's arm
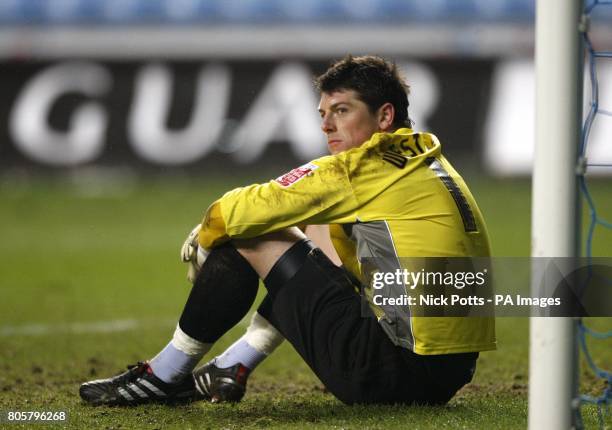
316, 193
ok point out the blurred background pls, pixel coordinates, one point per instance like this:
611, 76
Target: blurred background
173, 86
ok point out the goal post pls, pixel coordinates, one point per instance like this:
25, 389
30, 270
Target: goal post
553, 353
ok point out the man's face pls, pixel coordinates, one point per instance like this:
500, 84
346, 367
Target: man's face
346, 121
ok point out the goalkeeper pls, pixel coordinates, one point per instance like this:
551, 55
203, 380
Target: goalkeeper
386, 192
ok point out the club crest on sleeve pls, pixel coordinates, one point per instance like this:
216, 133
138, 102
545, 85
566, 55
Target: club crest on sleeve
296, 174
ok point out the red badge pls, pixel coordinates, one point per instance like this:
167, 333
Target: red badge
296, 174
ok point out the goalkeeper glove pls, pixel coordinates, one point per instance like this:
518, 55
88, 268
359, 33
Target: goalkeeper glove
193, 254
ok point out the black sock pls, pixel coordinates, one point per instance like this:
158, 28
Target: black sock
222, 294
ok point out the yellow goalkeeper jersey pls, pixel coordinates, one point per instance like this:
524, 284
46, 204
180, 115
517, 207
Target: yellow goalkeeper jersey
395, 196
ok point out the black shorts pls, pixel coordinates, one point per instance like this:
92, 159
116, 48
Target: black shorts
314, 304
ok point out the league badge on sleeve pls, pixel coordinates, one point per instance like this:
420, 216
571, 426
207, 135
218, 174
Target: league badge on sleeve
296, 174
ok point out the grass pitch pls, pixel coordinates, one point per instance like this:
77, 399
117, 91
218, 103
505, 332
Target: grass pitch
91, 281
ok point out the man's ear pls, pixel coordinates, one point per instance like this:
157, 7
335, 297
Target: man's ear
386, 115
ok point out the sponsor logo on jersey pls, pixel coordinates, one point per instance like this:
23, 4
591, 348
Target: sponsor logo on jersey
296, 174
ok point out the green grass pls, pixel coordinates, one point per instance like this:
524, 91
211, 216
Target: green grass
72, 254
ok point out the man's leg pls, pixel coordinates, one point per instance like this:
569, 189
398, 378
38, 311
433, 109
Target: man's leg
227, 380
222, 294
224, 378
314, 304
224, 291
262, 253
261, 338
259, 341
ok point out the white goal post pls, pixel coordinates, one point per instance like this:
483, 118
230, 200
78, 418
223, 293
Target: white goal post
553, 354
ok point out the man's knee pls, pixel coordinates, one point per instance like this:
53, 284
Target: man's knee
263, 252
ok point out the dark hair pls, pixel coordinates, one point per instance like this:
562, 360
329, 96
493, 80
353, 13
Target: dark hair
375, 80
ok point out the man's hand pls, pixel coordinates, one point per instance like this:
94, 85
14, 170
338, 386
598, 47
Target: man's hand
193, 253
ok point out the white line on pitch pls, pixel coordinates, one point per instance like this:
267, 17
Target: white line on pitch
111, 326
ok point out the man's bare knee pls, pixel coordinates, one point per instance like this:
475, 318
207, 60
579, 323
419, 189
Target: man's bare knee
263, 251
